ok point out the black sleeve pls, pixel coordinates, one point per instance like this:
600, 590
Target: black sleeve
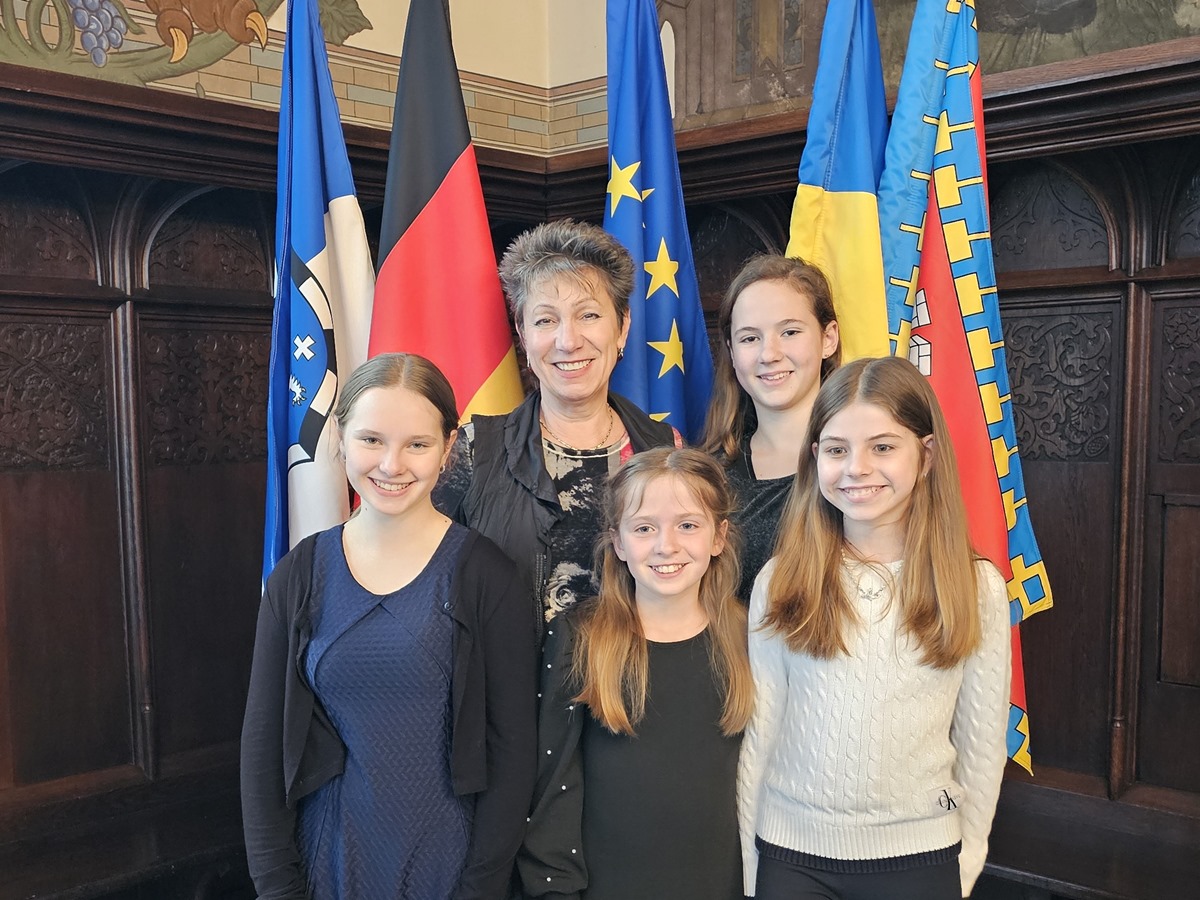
551, 861
270, 826
453, 484
510, 678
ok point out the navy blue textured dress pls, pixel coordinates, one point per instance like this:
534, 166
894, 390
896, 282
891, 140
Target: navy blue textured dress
390, 827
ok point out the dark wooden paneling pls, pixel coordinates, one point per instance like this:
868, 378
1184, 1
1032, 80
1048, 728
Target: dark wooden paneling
214, 242
1179, 646
44, 224
1063, 367
67, 687
204, 398
1043, 218
1169, 711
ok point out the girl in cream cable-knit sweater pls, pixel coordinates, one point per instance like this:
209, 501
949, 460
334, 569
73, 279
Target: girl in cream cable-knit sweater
880, 652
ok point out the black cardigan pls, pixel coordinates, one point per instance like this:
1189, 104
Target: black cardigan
551, 864
290, 748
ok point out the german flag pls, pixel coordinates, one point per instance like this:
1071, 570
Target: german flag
437, 292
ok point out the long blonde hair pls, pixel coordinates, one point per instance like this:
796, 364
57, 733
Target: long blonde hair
611, 661
807, 602
731, 413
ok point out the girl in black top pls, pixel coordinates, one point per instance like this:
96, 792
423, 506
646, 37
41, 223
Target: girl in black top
645, 692
780, 332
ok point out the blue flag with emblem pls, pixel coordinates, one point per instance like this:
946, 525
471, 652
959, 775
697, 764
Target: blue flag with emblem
324, 283
667, 368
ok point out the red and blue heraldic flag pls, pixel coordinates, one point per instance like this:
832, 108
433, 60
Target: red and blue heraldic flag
943, 308
835, 216
437, 292
323, 287
667, 369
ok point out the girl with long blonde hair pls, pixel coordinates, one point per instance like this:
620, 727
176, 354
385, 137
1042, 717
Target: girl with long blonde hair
646, 689
880, 649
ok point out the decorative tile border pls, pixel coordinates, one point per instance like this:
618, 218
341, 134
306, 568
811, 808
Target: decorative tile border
500, 113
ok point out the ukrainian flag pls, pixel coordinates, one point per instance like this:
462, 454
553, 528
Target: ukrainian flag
835, 219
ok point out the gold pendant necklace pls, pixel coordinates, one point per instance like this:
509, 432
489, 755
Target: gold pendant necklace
566, 446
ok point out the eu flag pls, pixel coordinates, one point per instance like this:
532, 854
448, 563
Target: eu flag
323, 287
667, 369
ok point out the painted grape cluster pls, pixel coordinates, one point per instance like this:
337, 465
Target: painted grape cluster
101, 26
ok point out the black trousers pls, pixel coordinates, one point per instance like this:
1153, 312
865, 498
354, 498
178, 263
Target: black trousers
779, 880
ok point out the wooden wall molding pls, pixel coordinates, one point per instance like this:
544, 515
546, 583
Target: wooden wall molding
85, 122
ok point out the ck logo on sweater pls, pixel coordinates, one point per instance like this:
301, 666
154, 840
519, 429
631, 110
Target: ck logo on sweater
948, 798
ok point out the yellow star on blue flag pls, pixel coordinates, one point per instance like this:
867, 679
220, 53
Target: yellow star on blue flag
671, 350
620, 184
666, 316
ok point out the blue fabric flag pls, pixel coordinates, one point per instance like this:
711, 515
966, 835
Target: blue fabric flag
667, 369
324, 282
835, 216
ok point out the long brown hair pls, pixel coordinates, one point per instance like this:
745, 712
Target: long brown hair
807, 602
611, 661
731, 413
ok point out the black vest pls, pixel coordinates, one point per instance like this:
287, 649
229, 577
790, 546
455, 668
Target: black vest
512, 499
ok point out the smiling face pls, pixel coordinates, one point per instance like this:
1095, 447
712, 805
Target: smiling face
572, 336
777, 346
394, 450
867, 467
668, 541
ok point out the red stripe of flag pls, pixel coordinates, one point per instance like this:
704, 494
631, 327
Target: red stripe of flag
437, 292
438, 287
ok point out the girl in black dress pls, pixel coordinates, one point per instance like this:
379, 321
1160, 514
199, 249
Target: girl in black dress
645, 691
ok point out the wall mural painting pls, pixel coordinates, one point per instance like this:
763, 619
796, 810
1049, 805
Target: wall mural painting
107, 39
1016, 34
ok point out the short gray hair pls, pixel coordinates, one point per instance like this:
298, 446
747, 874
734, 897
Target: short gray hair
565, 247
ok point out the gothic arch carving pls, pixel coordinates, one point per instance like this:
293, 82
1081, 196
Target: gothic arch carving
46, 224
725, 235
1047, 216
210, 240
1181, 225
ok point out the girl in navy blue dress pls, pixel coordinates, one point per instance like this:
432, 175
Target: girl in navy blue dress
389, 738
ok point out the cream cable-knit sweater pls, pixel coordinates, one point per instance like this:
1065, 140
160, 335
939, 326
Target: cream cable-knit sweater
874, 754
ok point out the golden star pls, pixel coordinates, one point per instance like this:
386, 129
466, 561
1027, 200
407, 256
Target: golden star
659, 417
662, 271
672, 351
620, 184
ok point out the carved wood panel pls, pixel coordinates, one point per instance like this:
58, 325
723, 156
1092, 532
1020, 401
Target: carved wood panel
1183, 236
1179, 386
65, 689
53, 407
44, 228
1061, 371
1042, 218
216, 242
1065, 368
204, 394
